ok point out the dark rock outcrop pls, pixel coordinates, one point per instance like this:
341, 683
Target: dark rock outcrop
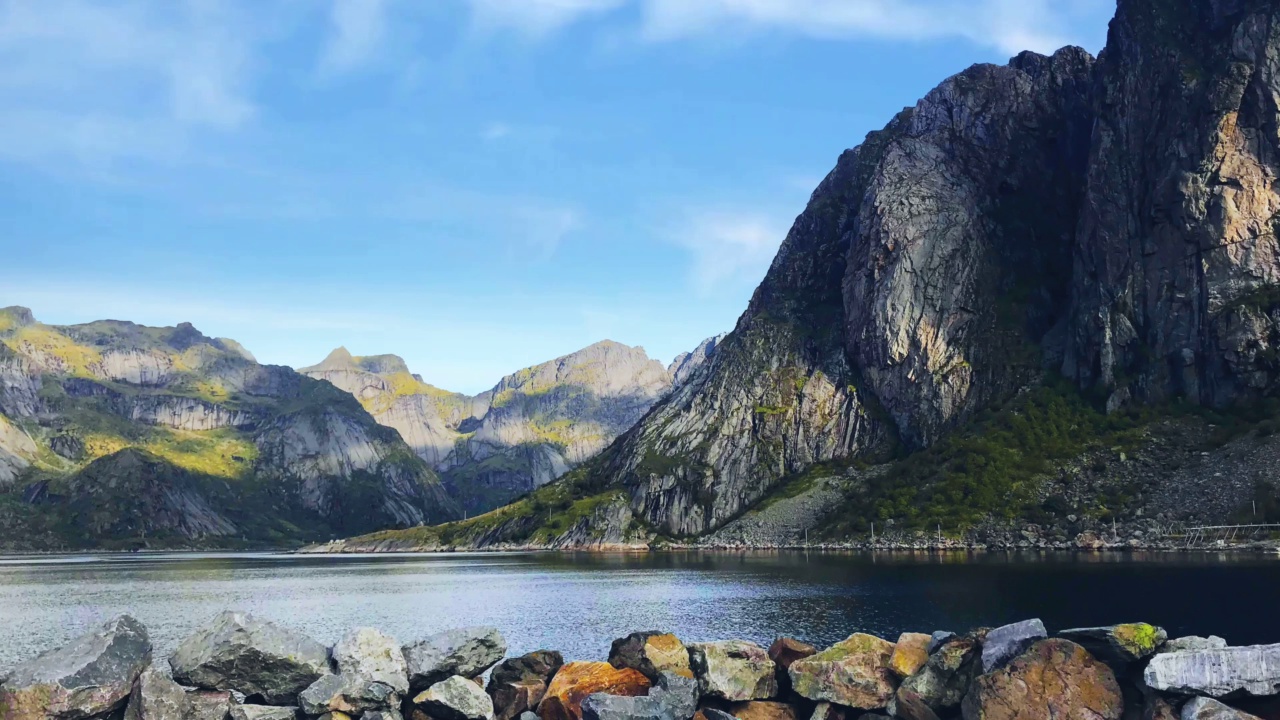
518, 684
466, 651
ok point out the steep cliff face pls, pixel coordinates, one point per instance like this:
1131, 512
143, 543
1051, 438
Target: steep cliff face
1176, 259
89, 406
683, 367
531, 428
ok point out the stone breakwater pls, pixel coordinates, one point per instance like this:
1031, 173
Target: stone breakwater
242, 668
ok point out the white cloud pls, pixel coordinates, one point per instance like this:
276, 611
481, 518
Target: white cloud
537, 17
495, 131
1009, 25
729, 248
93, 83
358, 27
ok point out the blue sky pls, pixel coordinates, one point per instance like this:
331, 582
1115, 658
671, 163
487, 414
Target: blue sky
476, 185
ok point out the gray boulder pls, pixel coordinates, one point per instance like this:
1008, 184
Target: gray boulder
675, 697
455, 698
1118, 644
351, 694
467, 652
944, 679
92, 675
263, 712
209, 705
1194, 642
388, 714
1203, 708
529, 715
255, 657
369, 653
939, 637
734, 670
1009, 641
157, 697
1221, 672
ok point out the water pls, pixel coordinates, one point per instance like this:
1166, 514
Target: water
579, 603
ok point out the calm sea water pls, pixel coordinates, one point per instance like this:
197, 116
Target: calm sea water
579, 603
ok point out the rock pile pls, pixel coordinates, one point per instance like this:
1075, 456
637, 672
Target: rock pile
241, 668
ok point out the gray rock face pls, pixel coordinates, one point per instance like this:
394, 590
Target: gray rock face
455, 698
937, 639
157, 697
1203, 708
944, 679
263, 712
1119, 644
92, 675
255, 657
518, 684
685, 364
1007, 642
673, 698
387, 714
465, 651
209, 705
733, 670
351, 694
1222, 672
369, 653
1194, 642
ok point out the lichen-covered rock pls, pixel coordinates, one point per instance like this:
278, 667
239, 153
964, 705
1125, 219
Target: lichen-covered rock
263, 712
909, 706
733, 670
1118, 644
578, 680
830, 711
465, 651
1054, 679
938, 638
763, 710
209, 705
652, 653
675, 697
257, 658
370, 653
1203, 708
1009, 641
518, 684
1222, 672
455, 698
157, 697
385, 714
783, 652
941, 683
854, 672
351, 694
92, 675
910, 653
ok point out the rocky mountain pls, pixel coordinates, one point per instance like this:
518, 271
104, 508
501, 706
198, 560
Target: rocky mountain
116, 434
532, 427
683, 367
1110, 221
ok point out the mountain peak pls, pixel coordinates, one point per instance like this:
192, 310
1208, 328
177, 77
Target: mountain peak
338, 359
382, 364
15, 316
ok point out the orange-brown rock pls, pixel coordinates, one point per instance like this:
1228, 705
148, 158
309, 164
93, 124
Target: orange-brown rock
652, 653
576, 680
909, 654
1054, 679
763, 710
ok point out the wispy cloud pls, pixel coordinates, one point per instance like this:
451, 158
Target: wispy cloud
728, 248
357, 28
537, 17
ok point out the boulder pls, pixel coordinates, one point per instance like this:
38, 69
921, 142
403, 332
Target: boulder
828, 711
710, 713
1193, 642
254, 657
263, 712
910, 706
92, 675
1155, 707
733, 670
527, 715
351, 694
939, 638
1203, 708
1009, 641
156, 697
909, 654
518, 684
578, 680
455, 698
785, 651
369, 653
209, 705
763, 710
945, 677
1220, 672
652, 653
675, 697
1118, 644
1054, 679
335, 715
466, 651
387, 714
854, 673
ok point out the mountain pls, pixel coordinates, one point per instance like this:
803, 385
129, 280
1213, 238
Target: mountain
1089, 243
115, 434
533, 426
682, 368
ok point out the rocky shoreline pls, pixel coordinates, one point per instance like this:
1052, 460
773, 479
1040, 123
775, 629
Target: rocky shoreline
239, 667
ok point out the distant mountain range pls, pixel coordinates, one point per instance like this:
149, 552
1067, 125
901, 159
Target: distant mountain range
114, 434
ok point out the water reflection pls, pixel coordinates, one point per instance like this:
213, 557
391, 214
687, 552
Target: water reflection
578, 603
